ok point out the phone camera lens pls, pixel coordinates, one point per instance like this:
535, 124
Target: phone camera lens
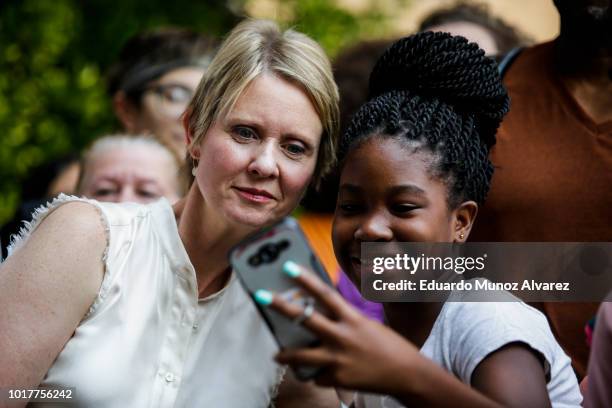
255, 260
269, 253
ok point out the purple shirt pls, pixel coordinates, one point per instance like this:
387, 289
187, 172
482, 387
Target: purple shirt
351, 294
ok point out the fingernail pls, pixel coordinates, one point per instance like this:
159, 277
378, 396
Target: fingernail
292, 269
263, 297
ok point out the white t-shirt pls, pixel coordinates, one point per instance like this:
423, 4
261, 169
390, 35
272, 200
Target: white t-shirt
148, 341
464, 333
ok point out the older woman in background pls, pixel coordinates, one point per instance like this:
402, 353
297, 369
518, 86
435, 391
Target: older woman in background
119, 168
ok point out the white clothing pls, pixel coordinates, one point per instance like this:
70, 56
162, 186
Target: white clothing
464, 333
148, 341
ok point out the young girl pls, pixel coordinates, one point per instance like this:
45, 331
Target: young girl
415, 168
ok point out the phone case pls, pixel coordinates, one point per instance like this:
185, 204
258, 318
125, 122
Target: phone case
258, 261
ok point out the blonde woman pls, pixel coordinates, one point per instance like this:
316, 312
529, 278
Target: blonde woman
136, 305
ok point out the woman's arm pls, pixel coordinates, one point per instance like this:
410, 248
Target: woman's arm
46, 287
359, 353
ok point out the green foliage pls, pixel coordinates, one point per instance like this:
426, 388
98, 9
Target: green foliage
33, 89
334, 27
53, 54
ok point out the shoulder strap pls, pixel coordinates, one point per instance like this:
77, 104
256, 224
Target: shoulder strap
507, 60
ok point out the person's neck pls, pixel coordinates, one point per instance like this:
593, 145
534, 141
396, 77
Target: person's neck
207, 240
587, 74
413, 321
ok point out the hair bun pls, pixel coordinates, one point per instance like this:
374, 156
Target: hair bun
449, 68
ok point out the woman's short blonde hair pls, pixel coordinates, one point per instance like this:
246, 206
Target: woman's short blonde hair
255, 47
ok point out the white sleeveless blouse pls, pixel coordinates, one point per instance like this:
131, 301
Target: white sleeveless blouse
148, 341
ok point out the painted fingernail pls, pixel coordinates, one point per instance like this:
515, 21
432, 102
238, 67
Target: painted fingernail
292, 269
263, 297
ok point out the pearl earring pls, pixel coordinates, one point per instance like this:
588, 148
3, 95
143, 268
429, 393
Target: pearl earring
193, 171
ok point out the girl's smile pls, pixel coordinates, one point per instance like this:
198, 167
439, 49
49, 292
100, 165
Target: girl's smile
387, 193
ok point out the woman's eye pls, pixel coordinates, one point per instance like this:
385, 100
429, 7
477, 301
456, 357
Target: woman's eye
102, 192
148, 194
244, 133
295, 149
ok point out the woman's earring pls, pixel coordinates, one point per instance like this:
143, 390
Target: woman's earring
461, 236
193, 170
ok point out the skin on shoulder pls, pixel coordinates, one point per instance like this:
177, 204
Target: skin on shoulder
46, 287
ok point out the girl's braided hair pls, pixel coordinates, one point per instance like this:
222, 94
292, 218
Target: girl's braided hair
440, 92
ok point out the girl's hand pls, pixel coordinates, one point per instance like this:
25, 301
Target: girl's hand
356, 352
362, 354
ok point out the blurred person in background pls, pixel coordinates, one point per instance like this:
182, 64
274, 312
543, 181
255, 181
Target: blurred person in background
474, 22
352, 69
599, 379
43, 183
154, 79
139, 169
151, 83
553, 155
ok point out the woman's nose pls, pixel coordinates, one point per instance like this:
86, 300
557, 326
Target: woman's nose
264, 162
127, 194
374, 228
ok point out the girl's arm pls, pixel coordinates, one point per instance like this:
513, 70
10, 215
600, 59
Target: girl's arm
514, 376
362, 354
46, 287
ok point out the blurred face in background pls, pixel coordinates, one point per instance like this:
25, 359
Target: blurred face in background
140, 174
162, 103
473, 32
66, 181
587, 21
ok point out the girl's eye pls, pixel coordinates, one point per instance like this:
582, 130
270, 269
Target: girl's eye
349, 208
403, 208
244, 133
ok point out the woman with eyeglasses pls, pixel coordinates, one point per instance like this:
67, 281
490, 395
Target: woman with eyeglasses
154, 79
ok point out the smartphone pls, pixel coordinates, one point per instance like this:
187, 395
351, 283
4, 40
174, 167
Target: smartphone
258, 262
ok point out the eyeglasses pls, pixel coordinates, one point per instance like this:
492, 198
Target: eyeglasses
173, 98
